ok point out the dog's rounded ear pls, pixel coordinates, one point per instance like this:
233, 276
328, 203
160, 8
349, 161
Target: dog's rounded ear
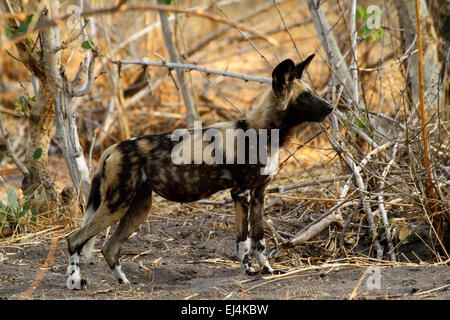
302, 66
282, 75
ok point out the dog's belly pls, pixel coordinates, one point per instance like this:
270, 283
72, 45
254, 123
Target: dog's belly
188, 183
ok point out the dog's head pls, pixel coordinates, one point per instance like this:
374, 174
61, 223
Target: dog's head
294, 96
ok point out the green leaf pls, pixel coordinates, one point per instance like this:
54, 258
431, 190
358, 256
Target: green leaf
21, 214
37, 154
167, 2
12, 198
360, 124
34, 214
360, 13
376, 36
24, 24
366, 29
8, 32
36, 195
23, 105
26, 206
88, 44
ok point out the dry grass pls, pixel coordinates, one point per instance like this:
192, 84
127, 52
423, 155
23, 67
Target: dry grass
403, 186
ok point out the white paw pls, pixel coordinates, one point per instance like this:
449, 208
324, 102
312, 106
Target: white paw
120, 276
249, 270
74, 279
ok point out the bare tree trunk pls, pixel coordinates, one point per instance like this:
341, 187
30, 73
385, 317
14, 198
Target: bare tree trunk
53, 101
62, 92
41, 123
407, 19
41, 116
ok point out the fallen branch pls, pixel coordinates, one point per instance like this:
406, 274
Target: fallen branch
281, 189
318, 225
333, 215
322, 222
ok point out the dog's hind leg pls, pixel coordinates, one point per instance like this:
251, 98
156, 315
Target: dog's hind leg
138, 211
102, 219
88, 248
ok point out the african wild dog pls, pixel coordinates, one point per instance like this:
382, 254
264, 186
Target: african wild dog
128, 173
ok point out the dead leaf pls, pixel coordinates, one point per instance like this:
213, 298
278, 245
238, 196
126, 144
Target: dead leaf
403, 233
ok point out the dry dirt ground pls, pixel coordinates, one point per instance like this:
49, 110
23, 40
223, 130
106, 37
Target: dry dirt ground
190, 254
186, 251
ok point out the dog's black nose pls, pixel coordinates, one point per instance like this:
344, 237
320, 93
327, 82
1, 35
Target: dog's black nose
330, 108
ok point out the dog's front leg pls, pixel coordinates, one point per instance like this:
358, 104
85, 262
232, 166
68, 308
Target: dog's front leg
241, 201
258, 243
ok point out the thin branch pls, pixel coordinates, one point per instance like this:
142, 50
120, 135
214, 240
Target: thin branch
189, 67
238, 28
84, 64
437, 221
354, 63
381, 205
145, 7
326, 36
90, 77
286, 27
191, 111
10, 150
214, 35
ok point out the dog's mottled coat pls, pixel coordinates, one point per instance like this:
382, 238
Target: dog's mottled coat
128, 173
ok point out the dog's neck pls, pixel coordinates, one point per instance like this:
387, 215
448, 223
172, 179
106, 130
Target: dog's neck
271, 114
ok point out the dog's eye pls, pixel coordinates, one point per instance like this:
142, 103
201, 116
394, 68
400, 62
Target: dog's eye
304, 94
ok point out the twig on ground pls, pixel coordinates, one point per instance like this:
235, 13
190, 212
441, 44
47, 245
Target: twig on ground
347, 223
281, 189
